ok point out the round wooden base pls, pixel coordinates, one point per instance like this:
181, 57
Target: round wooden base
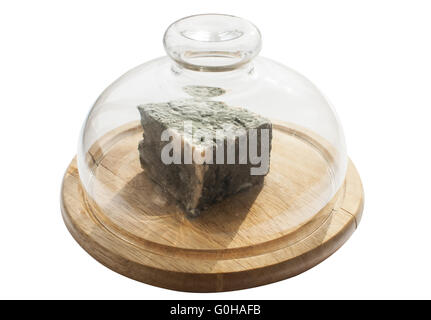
251, 239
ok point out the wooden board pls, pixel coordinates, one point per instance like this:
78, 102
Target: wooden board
258, 236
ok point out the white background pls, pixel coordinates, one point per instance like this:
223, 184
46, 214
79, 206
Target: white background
371, 58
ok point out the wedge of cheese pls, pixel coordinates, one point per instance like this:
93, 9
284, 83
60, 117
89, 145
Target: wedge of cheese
199, 150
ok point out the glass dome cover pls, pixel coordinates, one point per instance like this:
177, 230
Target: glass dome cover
212, 60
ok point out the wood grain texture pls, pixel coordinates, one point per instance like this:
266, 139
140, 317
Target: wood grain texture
256, 237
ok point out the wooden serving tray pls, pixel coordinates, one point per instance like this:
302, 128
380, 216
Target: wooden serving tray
256, 237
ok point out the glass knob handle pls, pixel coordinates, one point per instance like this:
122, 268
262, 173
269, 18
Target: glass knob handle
212, 42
